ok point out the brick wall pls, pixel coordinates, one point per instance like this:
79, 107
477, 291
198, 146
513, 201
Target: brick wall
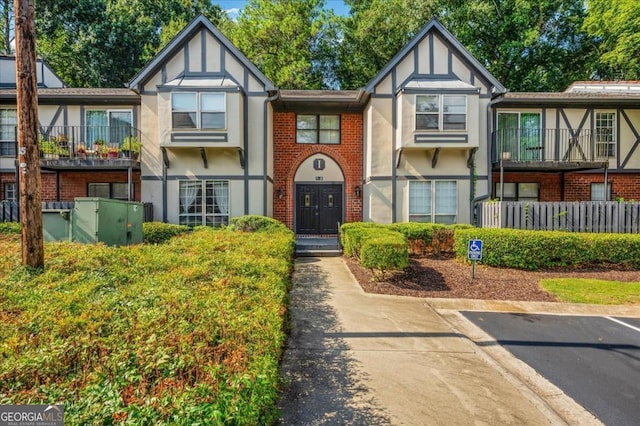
577, 186
74, 184
289, 155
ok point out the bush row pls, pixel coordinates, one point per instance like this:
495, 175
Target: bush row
376, 246
189, 331
10, 228
514, 248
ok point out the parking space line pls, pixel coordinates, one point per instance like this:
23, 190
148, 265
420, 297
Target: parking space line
623, 323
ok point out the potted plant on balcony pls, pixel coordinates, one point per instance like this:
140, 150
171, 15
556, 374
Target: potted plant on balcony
131, 147
49, 149
99, 148
81, 151
112, 152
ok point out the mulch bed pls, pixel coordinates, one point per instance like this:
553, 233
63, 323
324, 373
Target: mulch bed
447, 277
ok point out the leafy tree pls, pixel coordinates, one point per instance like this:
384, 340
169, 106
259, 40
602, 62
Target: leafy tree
526, 44
103, 43
6, 27
616, 26
282, 38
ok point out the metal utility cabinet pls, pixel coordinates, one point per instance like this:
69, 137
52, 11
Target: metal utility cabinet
113, 222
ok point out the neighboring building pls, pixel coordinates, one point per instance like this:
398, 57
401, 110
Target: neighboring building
564, 146
73, 123
432, 134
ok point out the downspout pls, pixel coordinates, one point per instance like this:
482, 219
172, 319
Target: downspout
265, 147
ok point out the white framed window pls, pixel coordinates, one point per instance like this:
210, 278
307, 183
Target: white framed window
204, 202
521, 191
199, 110
323, 129
8, 135
433, 201
598, 192
519, 136
605, 134
441, 112
10, 193
113, 190
109, 126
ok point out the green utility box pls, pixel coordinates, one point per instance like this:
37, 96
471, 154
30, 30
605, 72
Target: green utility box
113, 222
56, 224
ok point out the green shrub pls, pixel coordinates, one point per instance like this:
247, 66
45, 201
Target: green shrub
187, 332
159, 232
384, 252
524, 249
256, 223
352, 235
10, 228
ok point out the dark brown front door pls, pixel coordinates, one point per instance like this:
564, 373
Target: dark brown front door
318, 208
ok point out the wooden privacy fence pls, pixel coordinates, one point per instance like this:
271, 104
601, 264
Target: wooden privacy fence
578, 216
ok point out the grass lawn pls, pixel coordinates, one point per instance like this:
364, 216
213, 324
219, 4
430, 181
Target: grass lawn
580, 290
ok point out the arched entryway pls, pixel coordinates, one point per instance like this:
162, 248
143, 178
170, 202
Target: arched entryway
319, 196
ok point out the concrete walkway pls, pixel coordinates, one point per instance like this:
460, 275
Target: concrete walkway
355, 358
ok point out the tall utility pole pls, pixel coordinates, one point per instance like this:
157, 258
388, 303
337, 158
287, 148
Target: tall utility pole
28, 155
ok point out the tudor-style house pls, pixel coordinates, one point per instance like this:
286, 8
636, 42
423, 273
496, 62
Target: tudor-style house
578, 145
89, 142
430, 136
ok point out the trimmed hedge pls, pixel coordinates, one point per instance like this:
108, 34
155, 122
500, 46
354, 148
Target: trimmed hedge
257, 223
524, 249
352, 235
160, 232
377, 246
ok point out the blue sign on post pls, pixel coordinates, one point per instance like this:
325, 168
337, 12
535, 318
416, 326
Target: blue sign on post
474, 251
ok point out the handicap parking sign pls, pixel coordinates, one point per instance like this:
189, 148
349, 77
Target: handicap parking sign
474, 251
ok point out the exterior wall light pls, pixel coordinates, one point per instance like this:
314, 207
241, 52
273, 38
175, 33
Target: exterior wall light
280, 193
358, 191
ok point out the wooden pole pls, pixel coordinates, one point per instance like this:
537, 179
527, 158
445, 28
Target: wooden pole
28, 153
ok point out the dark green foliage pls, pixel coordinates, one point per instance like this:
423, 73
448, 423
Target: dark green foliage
533, 250
385, 251
159, 232
352, 234
257, 223
187, 332
10, 228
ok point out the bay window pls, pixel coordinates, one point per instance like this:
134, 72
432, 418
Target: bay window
191, 110
441, 112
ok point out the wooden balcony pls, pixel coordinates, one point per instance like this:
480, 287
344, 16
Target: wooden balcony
520, 149
81, 147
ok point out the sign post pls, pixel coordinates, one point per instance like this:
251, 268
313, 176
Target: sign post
474, 253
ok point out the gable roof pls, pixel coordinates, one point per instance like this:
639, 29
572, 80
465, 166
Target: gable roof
435, 25
178, 41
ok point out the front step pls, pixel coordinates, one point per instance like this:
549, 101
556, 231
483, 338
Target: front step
320, 247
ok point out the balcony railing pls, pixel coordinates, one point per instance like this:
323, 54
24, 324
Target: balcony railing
519, 145
78, 142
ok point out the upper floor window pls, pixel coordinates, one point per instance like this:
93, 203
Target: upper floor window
8, 123
108, 126
190, 110
605, 136
318, 129
441, 112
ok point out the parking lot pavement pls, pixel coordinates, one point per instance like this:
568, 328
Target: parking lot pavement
593, 359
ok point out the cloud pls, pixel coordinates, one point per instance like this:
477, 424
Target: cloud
233, 13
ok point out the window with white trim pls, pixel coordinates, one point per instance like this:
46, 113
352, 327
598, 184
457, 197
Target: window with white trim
204, 202
598, 192
10, 191
433, 201
605, 134
323, 129
198, 110
8, 135
441, 112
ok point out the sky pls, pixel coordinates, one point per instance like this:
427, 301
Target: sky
233, 6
